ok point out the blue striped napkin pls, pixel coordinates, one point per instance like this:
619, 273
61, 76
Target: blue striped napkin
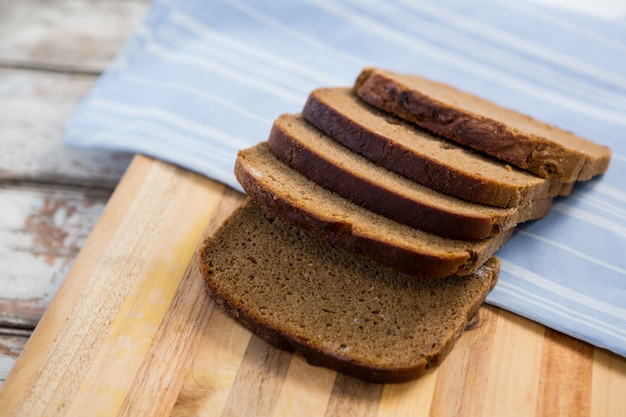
199, 80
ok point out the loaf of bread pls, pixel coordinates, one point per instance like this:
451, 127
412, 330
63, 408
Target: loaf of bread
366, 242
335, 308
540, 148
285, 193
426, 158
333, 166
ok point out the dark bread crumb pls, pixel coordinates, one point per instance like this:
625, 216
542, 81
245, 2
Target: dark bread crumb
285, 193
333, 166
527, 143
337, 309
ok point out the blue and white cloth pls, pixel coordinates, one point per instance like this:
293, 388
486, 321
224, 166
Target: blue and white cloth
200, 80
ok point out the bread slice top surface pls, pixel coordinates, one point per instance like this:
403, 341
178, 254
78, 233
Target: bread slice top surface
286, 193
530, 144
416, 153
337, 309
335, 167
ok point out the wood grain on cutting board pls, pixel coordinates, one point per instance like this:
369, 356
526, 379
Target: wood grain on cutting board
132, 332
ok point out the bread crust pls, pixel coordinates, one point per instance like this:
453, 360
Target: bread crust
319, 158
567, 159
416, 253
339, 113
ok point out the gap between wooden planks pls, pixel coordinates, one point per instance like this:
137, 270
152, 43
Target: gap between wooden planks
51, 196
69, 36
50, 54
132, 332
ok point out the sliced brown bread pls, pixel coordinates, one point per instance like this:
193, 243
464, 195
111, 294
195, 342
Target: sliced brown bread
335, 308
333, 166
525, 142
287, 194
421, 156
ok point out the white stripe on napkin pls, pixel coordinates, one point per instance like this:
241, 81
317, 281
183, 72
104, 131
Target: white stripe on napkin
169, 118
565, 313
208, 35
589, 217
573, 251
416, 45
200, 80
518, 44
171, 55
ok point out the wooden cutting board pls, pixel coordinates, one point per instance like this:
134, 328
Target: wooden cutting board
132, 333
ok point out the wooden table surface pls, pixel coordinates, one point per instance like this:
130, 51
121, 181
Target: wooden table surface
131, 331
51, 52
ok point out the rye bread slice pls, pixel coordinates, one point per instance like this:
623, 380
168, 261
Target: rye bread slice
417, 154
335, 308
538, 147
287, 194
333, 166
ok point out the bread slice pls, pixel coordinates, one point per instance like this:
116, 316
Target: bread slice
333, 166
421, 156
335, 308
532, 145
287, 194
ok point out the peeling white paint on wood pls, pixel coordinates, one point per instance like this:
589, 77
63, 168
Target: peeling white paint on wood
11, 345
72, 35
50, 55
42, 231
35, 105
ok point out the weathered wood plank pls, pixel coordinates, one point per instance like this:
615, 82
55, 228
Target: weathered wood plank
76, 36
145, 340
12, 343
92, 307
105, 232
66, 35
35, 105
50, 55
41, 232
